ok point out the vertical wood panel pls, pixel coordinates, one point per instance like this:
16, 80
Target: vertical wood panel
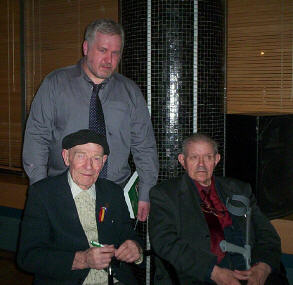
54, 34
53, 37
10, 93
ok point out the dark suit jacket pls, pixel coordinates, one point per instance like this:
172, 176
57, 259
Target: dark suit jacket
51, 231
180, 236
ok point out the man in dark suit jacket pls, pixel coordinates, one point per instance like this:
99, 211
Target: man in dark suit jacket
54, 244
189, 218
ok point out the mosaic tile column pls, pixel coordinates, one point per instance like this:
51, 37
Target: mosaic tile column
211, 73
174, 50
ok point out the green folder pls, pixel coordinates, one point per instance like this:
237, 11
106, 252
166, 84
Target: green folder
131, 195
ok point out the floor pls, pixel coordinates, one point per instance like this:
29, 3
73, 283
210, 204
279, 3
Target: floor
9, 273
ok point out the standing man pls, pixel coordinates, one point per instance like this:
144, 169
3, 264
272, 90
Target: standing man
63, 104
65, 213
189, 219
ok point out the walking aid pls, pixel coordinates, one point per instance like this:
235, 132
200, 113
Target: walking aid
244, 210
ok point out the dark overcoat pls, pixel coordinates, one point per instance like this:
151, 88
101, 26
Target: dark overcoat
51, 231
180, 236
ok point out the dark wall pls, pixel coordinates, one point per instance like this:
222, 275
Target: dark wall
260, 151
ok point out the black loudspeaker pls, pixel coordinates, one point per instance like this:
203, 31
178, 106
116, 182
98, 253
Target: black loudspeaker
259, 150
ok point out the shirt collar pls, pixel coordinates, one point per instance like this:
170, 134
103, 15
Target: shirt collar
75, 189
205, 189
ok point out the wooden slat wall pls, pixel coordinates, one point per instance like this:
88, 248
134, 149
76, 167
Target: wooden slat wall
10, 95
53, 38
259, 56
54, 33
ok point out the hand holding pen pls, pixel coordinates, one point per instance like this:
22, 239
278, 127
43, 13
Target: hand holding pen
99, 256
129, 251
110, 273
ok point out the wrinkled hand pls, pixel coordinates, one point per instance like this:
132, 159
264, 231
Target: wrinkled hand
256, 275
100, 257
143, 210
223, 276
128, 251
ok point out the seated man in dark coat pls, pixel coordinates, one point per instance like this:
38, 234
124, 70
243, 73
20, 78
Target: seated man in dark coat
66, 213
189, 219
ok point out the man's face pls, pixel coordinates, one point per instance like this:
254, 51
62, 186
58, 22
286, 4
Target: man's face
85, 163
199, 161
101, 56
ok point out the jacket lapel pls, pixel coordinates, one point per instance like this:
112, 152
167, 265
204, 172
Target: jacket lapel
190, 212
225, 190
69, 211
102, 200
222, 190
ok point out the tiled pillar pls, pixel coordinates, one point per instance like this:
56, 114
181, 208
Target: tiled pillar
174, 50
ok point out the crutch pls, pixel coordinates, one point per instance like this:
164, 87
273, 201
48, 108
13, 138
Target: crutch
239, 211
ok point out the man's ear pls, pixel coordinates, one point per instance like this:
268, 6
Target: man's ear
217, 159
85, 47
181, 159
104, 158
65, 155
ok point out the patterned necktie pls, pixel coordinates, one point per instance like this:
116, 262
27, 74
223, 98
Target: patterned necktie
86, 209
96, 118
212, 217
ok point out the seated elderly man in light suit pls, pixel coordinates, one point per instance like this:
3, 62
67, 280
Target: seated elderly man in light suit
65, 213
189, 218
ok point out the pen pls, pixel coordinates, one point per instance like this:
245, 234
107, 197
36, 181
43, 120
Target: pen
135, 223
96, 244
